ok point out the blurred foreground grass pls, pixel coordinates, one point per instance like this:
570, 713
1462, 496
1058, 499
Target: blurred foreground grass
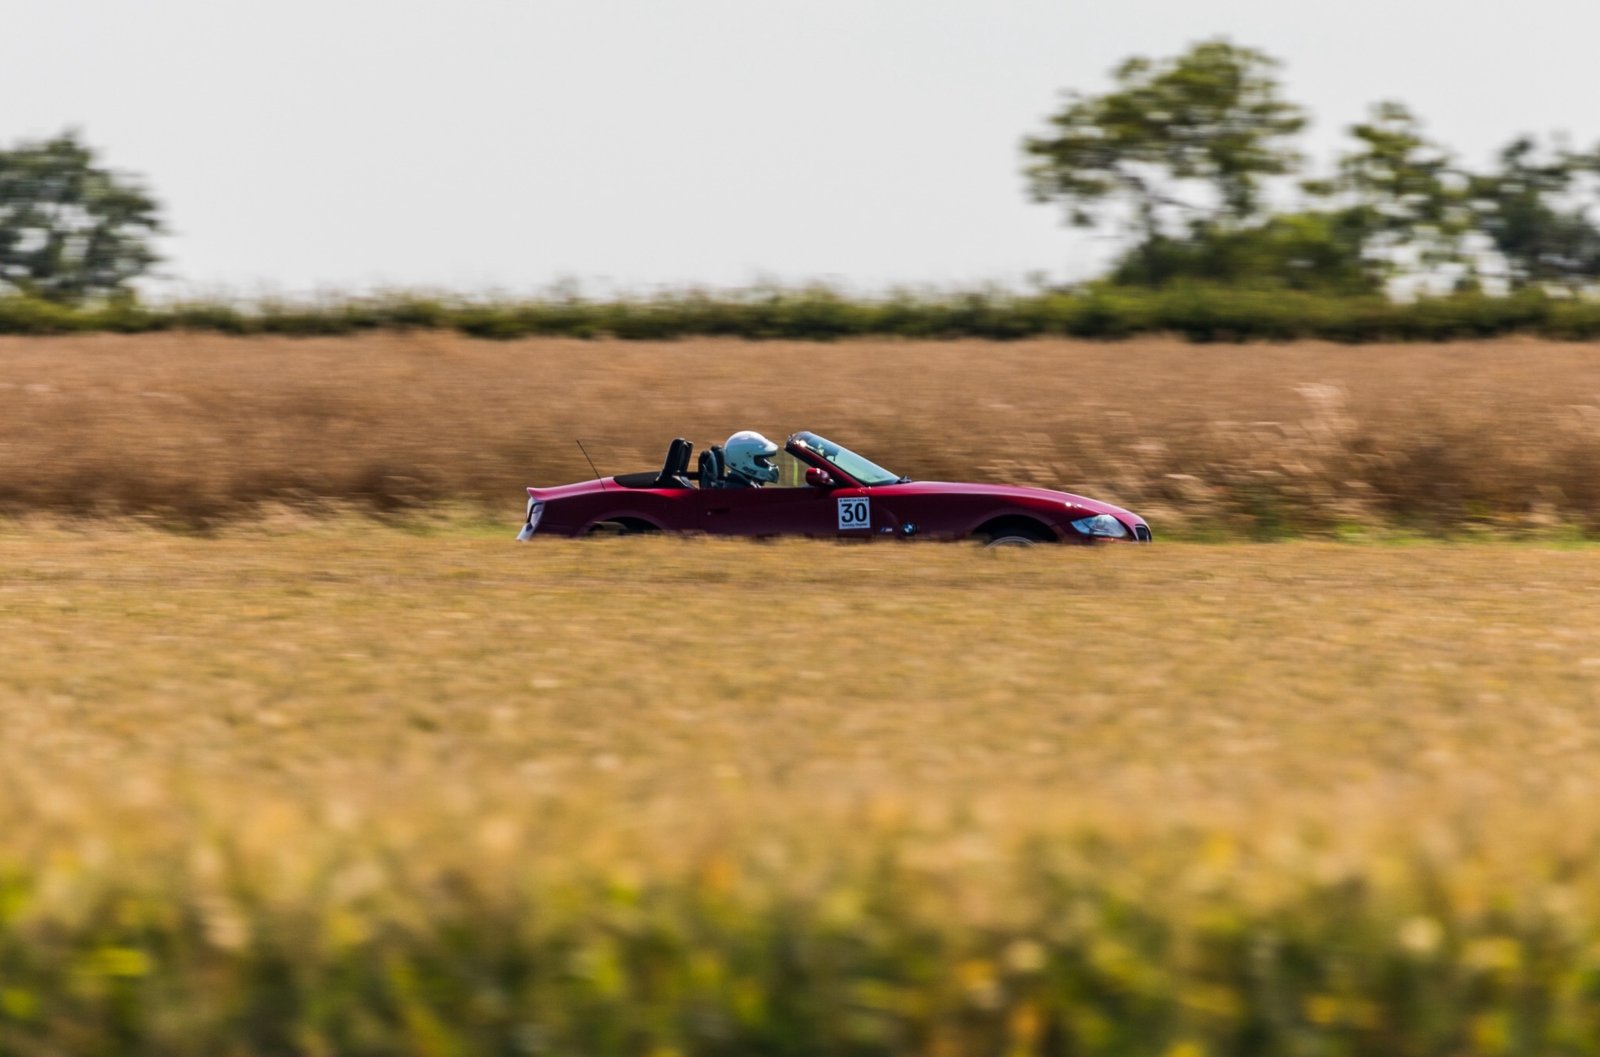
349, 790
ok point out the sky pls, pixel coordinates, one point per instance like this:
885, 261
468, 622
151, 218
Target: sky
500, 146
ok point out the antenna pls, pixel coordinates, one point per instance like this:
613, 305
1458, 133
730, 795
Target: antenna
590, 461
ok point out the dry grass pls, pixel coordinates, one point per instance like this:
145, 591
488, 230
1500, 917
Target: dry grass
1260, 438
350, 790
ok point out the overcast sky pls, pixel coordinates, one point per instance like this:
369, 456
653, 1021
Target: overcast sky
499, 145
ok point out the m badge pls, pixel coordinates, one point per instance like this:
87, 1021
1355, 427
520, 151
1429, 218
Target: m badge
855, 514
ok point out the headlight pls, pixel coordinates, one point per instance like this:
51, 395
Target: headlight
1101, 525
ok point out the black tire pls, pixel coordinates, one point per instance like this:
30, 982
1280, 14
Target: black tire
1017, 533
621, 527
1011, 539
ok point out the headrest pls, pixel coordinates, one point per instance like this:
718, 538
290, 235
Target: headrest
712, 467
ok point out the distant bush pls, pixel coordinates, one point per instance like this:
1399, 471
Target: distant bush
1099, 312
1270, 440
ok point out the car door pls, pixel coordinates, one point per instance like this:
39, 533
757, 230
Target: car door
789, 507
769, 511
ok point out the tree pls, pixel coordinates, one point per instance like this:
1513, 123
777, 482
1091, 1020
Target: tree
1179, 146
1400, 197
1538, 211
68, 228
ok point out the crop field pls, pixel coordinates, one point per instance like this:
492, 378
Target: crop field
332, 786
1269, 440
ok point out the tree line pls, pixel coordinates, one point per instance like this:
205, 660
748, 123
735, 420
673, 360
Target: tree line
1192, 161
1183, 156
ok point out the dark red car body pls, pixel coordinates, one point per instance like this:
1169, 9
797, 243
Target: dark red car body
833, 504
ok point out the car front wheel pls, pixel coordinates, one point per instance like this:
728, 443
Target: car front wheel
1018, 533
1011, 540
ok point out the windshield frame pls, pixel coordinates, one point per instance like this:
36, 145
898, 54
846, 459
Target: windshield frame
857, 469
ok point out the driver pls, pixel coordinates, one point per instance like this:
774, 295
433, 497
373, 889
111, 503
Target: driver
749, 458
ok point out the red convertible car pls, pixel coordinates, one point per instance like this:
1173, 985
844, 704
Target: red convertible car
820, 489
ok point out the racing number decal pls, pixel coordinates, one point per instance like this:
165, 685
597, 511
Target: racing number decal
855, 514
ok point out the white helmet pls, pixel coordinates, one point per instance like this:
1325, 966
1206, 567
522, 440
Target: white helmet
749, 455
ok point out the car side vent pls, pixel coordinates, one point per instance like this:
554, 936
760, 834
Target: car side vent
1141, 533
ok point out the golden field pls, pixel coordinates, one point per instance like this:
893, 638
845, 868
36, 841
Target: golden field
1501, 435
335, 787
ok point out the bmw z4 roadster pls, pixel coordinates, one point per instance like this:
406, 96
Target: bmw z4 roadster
816, 488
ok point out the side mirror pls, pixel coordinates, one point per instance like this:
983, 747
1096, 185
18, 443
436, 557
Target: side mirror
819, 478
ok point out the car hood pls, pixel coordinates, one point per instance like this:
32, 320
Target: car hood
1021, 495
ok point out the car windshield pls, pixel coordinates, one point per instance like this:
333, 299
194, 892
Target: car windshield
864, 470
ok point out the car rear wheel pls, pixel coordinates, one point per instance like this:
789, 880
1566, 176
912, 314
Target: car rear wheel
624, 526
